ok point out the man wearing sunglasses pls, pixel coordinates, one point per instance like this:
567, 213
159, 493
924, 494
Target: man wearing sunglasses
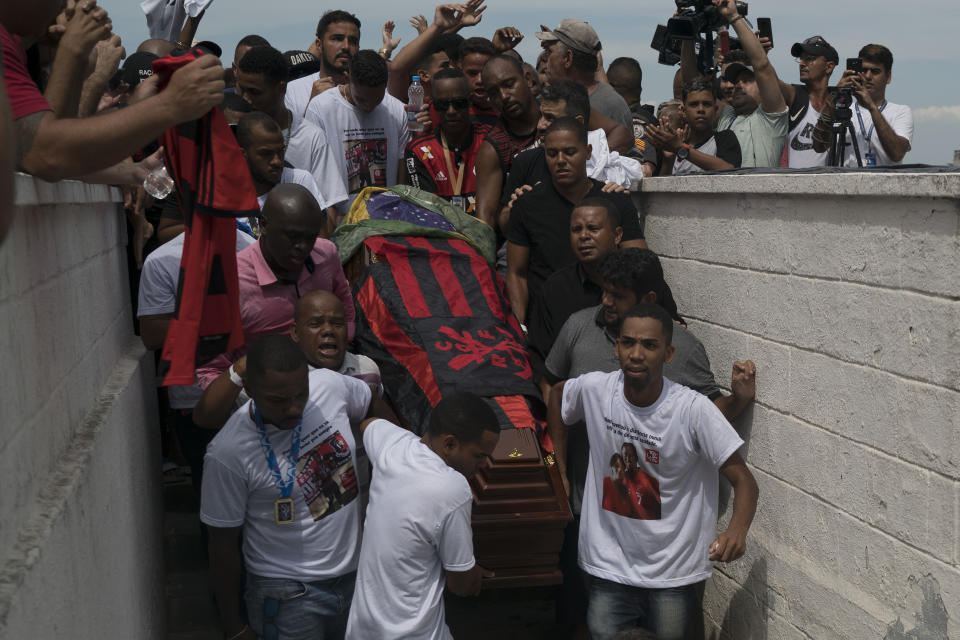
443, 161
817, 60
883, 129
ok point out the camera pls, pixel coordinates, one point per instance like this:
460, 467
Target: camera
697, 16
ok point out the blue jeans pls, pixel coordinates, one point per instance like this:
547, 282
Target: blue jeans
616, 607
280, 609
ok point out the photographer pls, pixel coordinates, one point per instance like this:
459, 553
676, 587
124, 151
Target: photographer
817, 60
757, 113
883, 129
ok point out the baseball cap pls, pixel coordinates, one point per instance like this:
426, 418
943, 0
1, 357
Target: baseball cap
734, 69
302, 63
136, 68
817, 46
575, 34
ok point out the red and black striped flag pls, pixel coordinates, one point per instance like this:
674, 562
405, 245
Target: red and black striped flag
432, 313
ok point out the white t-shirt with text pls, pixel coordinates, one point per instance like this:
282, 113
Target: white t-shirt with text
800, 151
239, 489
650, 523
369, 146
309, 149
417, 526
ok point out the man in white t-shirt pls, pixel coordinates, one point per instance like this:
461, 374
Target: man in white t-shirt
417, 537
281, 475
337, 41
262, 81
757, 112
883, 129
817, 60
366, 126
648, 534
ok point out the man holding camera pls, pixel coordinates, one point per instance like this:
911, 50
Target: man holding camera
757, 112
883, 129
817, 60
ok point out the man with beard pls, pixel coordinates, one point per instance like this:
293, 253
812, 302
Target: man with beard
262, 81
444, 161
817, 60
757, 112
337, 41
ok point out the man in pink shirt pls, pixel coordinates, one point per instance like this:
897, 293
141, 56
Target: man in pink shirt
289, 260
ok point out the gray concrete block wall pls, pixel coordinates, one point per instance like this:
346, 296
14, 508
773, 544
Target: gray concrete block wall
80, 551
845, 290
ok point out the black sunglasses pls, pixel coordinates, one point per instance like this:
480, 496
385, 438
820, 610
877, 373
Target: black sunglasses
458, 104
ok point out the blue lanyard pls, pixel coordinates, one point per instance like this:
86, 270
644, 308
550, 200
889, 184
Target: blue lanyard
285, 486
863, 131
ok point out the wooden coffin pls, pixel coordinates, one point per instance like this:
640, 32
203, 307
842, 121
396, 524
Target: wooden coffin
520, 511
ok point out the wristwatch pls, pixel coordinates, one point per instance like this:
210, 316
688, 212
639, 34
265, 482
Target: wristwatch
683, 152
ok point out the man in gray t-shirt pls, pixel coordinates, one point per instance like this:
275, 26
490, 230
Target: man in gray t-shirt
572, 50
587, 339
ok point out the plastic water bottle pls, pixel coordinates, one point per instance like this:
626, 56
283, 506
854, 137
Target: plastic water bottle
414, 102
158, 183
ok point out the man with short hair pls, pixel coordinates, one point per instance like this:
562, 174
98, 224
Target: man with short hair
281, 476
817, 60
626, 78
417, 537
883, 129
647, 563
262, 81
432, 63
703, 148
288, 260
538, 241
443, 161
337, 41
573, 48
595, 232
757, 112
367, 126
472, 57
261, 143
246, 43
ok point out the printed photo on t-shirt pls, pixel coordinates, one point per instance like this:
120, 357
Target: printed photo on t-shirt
366, 163
628, 490
326, 476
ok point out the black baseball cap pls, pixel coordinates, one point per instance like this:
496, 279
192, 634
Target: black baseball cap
136, 68
816, 46
302, 63
734, 69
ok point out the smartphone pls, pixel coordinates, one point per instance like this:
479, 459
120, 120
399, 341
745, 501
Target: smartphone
723, 43
855, 64
765, 29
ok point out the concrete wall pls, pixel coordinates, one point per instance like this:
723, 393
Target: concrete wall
80, 548
844, 290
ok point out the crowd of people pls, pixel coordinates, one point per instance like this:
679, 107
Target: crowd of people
325, 519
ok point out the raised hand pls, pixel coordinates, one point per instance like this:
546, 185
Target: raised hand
506, 38
389, 43
419, 23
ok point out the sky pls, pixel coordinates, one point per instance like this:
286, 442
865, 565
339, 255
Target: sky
920, 34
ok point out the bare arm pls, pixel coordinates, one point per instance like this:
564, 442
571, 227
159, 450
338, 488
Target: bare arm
771, 98
219, 399
84, 29
126, 171
467, 583
189, 31
168, 229
489, 183
732, 543
153, 330
518, 257
109, 54
53, 148
618, 137
226, 569
743, 385
557, 430
688, 67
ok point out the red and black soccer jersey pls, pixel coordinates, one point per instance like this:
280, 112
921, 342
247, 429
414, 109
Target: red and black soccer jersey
508, 144
429, 170
213, 187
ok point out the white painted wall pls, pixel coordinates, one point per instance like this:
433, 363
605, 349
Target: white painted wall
80, 509
844, 290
